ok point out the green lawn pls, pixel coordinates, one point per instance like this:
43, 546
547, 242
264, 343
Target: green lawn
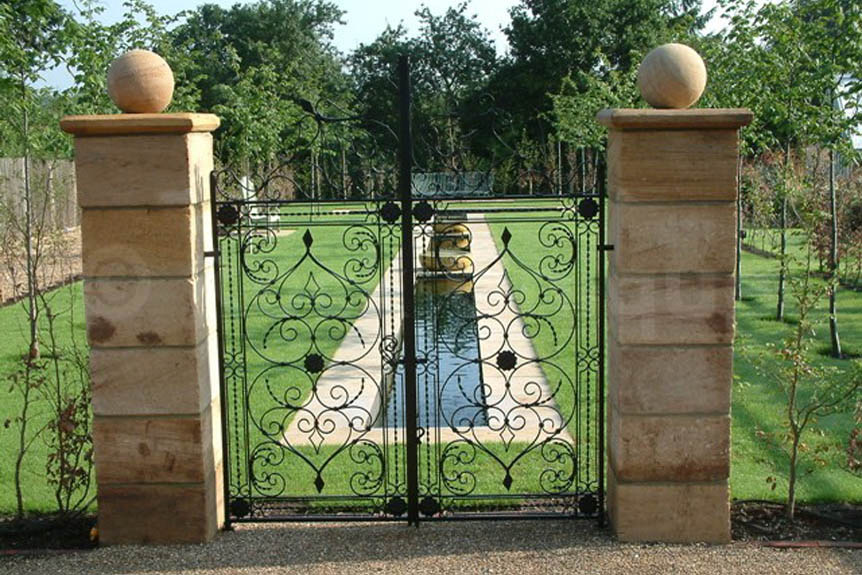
769, 240
38, 495
756, 402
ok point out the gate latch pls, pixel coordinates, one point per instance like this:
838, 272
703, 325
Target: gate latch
606, 247
419, 360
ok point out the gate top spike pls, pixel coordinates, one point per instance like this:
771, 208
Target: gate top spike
507, 235
307, 239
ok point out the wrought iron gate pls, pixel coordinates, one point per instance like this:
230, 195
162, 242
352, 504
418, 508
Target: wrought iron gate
411, 324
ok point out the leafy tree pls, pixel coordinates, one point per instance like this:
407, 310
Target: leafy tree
552, 40
35, 37
811, 391
816, 43
254, 63
452, 59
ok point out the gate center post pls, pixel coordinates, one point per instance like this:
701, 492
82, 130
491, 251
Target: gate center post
408, 312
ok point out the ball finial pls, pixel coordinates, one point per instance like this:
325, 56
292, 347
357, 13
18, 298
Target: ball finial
140, 82
672, 76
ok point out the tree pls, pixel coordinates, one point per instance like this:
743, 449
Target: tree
552, 40
817, 44
35, 36
811, 391
254, 64
834, 36
452, 59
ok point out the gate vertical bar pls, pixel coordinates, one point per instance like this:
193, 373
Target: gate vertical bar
216, 257
407, 296
601, 178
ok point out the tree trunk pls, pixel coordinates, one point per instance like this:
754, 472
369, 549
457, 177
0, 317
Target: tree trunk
559, 167
32, 311
343, 173
790, 510
833, 260
782, 257
582, 170
738, 282
22, 440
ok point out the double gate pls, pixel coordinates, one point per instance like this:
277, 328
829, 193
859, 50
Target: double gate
411, 320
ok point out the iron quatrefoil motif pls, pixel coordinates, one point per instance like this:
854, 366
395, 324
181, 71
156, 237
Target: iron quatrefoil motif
240, 508
588, 505
423, 211
390, 212
228, 215
506, 360
429, 506
395, 507
313, 363
588, 208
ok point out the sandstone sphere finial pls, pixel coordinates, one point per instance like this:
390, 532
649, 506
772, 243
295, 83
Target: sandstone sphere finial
672, 76
140, 82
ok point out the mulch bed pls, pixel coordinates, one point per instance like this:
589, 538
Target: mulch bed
45, 533
765, 521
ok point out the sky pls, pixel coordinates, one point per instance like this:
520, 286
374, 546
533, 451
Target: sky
364, 20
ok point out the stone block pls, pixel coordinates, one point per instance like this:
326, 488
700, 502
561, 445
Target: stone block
671, 309
673, 238
669, 448
146, 312
670, 380
154, 380
144, 242
143, 170
153, 450
672, 165
158, 514
669, 512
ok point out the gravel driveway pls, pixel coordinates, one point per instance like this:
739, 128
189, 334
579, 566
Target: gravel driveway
519, 547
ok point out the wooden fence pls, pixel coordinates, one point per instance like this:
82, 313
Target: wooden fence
54, 194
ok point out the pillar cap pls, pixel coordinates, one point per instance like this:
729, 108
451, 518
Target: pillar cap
135, 124
697, 119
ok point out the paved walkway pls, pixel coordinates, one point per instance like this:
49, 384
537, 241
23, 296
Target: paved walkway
353, 384
517, 547
523, 405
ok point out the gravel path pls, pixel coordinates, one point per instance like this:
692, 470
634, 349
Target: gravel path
520, 548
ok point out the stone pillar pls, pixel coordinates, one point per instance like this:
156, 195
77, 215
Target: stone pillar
143, 186
672, 187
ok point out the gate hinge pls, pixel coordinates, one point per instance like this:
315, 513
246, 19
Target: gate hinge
606, 247
210, 254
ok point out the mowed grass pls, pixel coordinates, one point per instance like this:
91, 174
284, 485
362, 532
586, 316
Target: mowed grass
759, 403
14, 342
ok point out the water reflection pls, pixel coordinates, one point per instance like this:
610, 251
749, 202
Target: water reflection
449, 382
